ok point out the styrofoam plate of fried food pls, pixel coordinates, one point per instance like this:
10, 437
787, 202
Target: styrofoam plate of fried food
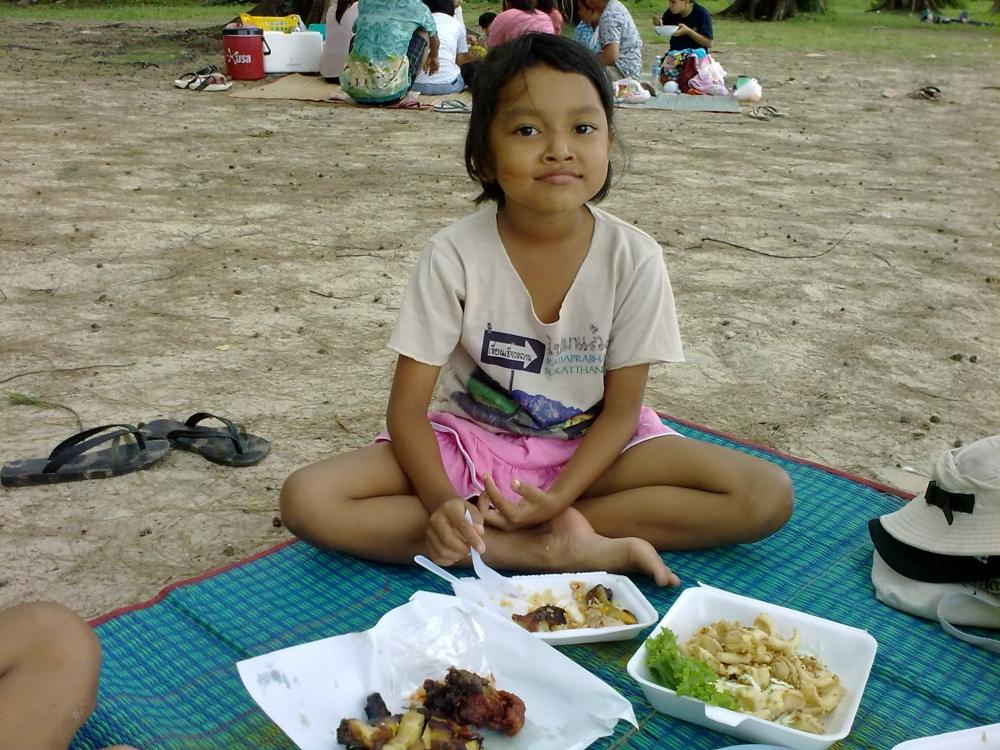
566, 608
824, 647
314, 690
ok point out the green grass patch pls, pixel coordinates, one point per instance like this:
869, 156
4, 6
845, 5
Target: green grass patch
198, 13
846, 27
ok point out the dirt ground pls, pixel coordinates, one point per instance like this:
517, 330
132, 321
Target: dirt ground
166, 252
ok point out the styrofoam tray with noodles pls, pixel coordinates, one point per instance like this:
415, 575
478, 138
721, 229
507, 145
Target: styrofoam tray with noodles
564, 591
843, 651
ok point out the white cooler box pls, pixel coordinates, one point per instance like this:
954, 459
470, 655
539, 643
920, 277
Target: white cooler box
298, 52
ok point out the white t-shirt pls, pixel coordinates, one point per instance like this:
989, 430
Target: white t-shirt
451, 34
467, 310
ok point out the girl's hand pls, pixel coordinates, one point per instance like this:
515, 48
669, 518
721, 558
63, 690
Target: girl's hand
682, 30
449, 535
536, 506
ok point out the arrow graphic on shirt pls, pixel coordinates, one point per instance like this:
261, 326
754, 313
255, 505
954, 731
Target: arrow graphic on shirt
512, 351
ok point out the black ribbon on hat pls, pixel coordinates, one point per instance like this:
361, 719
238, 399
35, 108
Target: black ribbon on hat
949, 502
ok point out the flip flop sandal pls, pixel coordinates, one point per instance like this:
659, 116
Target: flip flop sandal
927, 92
229, 446
770, 111
452, 105
758, 113
76, 458
212, 82
189, 79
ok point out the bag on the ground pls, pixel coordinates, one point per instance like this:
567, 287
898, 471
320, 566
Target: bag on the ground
710, 79
749, 91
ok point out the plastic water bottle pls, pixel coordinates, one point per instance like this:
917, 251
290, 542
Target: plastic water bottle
654, 71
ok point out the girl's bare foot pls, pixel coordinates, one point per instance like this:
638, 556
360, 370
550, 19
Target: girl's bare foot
569, 543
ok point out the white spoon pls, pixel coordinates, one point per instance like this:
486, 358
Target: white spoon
487, 575
433, 567
466, 589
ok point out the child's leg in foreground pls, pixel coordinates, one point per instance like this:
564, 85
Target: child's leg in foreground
49, 662
362, 503
49, 665
679, 493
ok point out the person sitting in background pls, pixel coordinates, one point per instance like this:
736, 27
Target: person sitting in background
453, 52
393, 41
548, 7
618, 41
50, 660
339, 32
519, 17
693, 22
485, 19
586, 30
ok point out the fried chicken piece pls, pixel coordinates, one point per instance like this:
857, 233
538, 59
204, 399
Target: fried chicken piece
541, 619
467, 698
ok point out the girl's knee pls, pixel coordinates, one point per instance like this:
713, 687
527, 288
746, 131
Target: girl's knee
58, 641
52, 628
772, 499
295, 500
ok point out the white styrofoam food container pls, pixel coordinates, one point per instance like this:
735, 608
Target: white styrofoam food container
556, 588
847, 652
297, 52
977, 738
666, 30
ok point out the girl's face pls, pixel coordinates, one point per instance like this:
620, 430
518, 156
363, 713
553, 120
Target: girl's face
550, 141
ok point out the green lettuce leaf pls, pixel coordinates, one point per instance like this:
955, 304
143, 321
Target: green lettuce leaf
683, 674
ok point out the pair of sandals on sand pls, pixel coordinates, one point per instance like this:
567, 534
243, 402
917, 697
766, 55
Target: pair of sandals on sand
87, 454
204, 79
764, 112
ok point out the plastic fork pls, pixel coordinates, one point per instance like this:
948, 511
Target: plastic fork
487, 575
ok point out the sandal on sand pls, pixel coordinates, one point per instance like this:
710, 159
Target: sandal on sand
770, 111
75, 458
189, 79
212, 82
759, 113
930, 93
229, 445
452, 105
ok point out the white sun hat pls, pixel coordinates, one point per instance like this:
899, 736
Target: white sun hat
959, 512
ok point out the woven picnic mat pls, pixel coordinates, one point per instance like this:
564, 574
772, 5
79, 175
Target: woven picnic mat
169, 680
316, 89
687, 103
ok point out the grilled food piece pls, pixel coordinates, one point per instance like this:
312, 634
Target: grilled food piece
467, 698
542, 619
445, 734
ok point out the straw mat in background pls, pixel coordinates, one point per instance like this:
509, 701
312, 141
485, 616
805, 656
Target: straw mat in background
316, 89
169, 680
687, 103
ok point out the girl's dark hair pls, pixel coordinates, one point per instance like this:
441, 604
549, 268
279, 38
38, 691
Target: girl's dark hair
342, 6
526, 5
441, 6
546, 6
497, 69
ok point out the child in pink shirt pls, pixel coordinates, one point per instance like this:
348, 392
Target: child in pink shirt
518, 18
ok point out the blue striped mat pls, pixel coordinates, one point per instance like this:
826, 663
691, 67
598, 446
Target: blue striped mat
169, 680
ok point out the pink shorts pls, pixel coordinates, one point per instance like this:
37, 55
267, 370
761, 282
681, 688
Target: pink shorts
470, 452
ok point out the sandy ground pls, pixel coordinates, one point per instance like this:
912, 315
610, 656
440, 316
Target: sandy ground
166, 252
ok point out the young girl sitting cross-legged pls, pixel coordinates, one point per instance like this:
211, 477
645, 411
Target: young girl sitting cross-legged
537, 319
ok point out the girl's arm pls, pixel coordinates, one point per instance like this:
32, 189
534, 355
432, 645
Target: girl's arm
624, 389
416, 450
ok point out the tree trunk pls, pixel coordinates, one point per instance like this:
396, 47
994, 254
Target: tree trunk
760, 10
